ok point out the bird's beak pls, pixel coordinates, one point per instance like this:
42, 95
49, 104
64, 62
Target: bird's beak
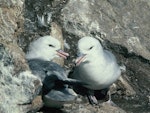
80, 59
63, 54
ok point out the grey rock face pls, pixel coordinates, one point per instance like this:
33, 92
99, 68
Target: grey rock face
9, 18
16, 91
122, 22
121, 25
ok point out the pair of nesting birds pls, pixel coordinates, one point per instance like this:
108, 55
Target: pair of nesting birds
95, 69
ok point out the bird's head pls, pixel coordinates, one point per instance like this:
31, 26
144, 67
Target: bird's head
88, 48
45, 48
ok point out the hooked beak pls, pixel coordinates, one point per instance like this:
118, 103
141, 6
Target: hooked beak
80, 59
63, 54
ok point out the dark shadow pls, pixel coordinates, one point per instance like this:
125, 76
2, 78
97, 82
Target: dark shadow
50, 110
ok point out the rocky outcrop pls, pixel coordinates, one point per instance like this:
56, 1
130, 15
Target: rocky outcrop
16, 90
121, 26
122, 22
18, 86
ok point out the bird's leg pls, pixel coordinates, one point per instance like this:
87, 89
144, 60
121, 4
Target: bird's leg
92, 99
110, 102
109, 95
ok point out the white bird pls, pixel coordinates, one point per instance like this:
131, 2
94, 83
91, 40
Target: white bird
55, 92
95, 66
45, 48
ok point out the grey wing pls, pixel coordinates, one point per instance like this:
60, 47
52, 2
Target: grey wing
62, 76
109, 56
112, 59
50, 73
55, 69
42, 69
37, 68
56, 98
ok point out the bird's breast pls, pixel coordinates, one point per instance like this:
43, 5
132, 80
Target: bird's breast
90, 73
97, 76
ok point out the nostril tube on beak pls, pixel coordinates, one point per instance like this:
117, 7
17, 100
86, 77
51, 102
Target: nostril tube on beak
63, 54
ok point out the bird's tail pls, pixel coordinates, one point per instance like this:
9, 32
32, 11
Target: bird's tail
72, 82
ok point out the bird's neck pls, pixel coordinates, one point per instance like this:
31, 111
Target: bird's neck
96, 57
35, 55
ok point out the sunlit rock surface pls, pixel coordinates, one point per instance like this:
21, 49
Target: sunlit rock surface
121, 26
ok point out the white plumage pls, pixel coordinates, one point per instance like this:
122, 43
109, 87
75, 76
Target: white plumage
55, 92
96, 67
45, 48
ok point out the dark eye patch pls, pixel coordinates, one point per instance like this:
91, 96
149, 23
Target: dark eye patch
91, 47
50, 45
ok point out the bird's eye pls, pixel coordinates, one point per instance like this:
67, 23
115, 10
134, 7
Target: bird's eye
50, 45
90, 48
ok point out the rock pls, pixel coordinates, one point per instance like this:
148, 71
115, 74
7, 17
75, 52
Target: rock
17, 91
124, 83
121, 26
123, 29
37, 104
18, 56
86, 108
106, 108
111, 20
57, 33
10, 12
